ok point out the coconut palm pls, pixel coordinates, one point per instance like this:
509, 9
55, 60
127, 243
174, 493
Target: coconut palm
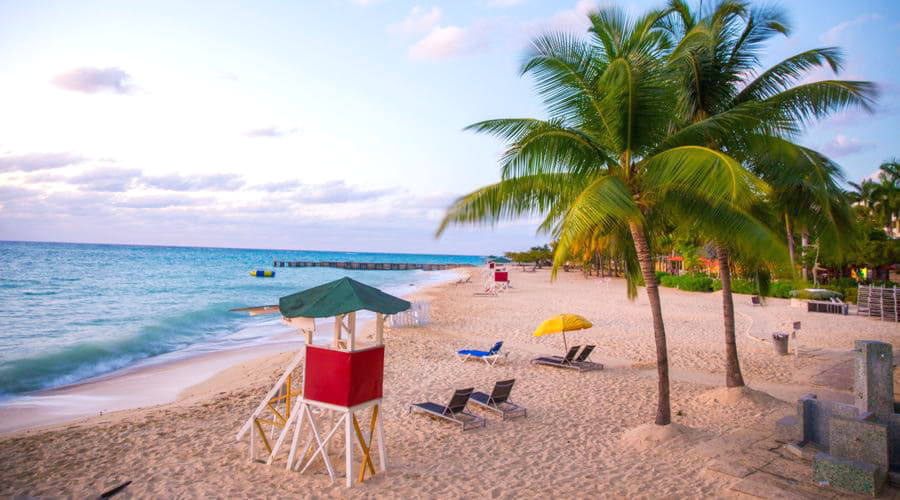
716, 54
606, 161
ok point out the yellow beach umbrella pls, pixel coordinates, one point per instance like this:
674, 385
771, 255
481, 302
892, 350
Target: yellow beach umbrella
562, 323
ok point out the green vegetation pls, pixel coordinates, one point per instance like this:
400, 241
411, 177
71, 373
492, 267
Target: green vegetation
665, 124
540, 256
688, 282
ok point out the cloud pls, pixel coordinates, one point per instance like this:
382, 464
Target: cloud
338, 192
29, 162
89, 80
324, 193
419, 20
106, 179
842, 145
257, 133
176, 182
9, 193
444, 42
281, 186
155, 201
505, 3
574, 19
365, 3
834, 34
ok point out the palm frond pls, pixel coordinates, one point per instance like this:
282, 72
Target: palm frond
702, 171
510, 199
788, 72
812, 101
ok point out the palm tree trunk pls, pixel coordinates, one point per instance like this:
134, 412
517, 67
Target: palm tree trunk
645, 258
733, 377
804, 242
790, 240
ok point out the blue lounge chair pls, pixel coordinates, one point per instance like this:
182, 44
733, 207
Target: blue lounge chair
489, 357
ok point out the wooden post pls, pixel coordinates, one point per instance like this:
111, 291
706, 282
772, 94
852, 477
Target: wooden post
351, 327
379, 329
338, 325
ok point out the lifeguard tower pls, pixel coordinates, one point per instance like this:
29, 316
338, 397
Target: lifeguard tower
340, 380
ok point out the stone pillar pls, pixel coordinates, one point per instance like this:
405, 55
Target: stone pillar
873, 382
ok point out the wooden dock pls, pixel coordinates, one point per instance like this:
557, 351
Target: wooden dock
368, 266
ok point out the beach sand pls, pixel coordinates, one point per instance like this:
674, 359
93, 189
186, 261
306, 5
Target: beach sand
585, 434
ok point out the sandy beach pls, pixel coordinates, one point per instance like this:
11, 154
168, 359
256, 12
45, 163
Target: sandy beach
577, 441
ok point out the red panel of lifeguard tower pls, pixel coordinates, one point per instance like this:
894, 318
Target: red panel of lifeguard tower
343, 378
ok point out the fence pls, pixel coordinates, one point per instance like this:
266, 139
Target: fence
416, 315
879, 302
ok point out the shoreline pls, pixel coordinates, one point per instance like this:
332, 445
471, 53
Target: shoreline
148, 384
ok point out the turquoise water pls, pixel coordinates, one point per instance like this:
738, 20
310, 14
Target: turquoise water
74, 311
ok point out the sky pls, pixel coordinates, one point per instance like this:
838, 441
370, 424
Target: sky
317, 125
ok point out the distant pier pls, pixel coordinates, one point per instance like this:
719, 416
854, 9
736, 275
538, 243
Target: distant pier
367, 266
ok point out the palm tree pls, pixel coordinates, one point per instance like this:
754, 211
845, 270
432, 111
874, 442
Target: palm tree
606, 162
863, 193
880, 200
717, 45
888, 192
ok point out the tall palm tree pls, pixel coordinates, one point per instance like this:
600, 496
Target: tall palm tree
717, 51
606, 160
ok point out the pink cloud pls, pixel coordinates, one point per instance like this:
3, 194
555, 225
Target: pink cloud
89, 80
842, 145
444, 42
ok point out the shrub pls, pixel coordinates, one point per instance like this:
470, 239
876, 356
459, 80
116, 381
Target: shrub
695, 283
781, 289
738, 285
669, 281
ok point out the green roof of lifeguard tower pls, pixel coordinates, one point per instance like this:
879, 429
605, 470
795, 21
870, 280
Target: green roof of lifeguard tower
339, 297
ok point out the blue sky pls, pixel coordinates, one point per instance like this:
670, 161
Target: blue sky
317, 125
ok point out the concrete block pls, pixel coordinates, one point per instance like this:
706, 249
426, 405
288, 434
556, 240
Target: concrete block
789, 430
893, 424
860, 440
873, 381
848, 475
816, 415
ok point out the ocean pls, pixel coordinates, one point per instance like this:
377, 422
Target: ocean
69, 312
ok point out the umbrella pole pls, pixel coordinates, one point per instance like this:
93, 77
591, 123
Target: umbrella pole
565, 344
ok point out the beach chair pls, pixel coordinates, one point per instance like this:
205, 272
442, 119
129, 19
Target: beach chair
455, 411
489, 357
498, 400
569, 361
582, 356
556, 360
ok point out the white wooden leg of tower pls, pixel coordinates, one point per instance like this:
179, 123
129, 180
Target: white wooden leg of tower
296, 437
322, 444
283, 434
252, 444
348, 446
379, 434
300, 456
